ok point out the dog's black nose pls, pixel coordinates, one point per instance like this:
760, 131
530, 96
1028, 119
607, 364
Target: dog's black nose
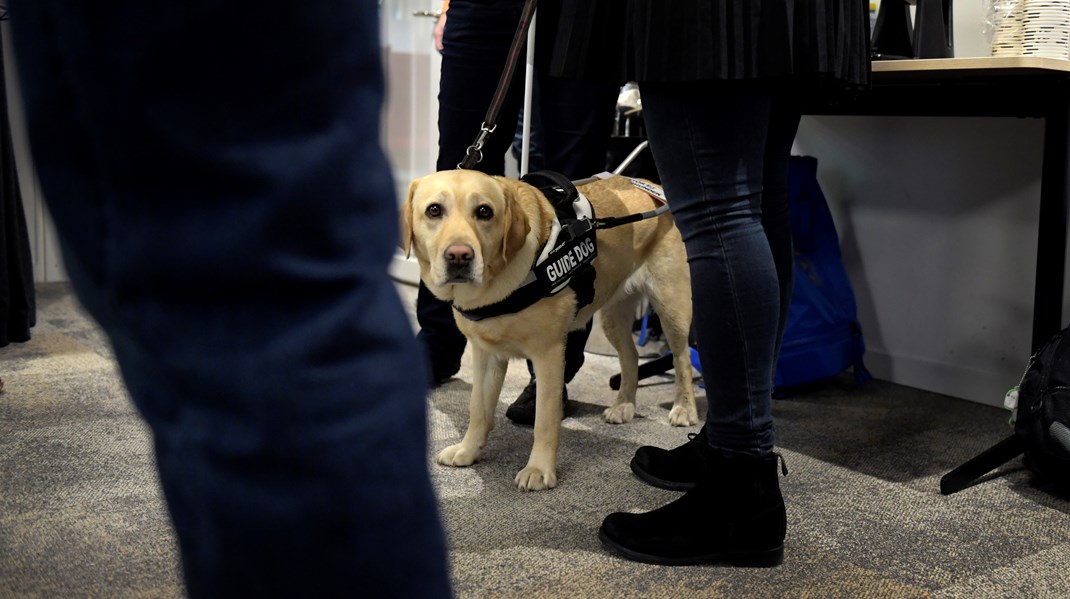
459, 254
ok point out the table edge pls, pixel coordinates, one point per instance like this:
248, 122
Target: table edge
981, 63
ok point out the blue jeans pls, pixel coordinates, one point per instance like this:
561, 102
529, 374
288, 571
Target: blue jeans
227, 215
722, 152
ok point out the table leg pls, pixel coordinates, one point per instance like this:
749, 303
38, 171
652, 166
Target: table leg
1051, 233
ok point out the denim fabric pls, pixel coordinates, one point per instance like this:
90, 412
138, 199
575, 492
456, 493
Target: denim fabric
576, 118
722, 152
227, 215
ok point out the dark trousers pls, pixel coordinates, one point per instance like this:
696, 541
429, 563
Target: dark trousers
576, 117
722, 152
227, 215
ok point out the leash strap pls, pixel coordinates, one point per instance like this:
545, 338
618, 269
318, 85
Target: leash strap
616, 221
474, 154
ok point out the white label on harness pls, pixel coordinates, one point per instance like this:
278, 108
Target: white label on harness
567, 259
652, 190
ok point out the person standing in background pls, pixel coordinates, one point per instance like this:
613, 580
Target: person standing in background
226, 214
721, 84
474, 37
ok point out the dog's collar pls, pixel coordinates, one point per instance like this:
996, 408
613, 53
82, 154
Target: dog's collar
566, 260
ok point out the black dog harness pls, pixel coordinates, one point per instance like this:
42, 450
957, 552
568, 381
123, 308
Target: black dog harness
567, 258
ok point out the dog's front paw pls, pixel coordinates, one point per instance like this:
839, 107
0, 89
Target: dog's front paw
458, 455
620, 413
681, 416
534, 478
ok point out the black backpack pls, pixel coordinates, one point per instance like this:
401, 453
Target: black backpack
1041, 403
1042, 416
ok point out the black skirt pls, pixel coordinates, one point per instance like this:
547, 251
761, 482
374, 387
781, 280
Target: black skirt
695, 40
18, 302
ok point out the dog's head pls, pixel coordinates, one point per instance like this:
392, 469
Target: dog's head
464, 226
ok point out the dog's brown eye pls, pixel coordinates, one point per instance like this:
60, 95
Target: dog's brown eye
434, 211
484, 212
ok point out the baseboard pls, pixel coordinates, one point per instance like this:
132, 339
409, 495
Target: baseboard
984, 387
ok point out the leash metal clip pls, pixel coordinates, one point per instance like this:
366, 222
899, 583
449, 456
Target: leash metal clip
476, 149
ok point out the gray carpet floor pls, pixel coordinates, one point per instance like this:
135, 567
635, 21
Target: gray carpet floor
81, 514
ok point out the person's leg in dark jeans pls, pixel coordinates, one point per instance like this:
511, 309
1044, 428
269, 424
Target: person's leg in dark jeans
678, 468
711, 142
713, 179
475, 46
577, 121
227, 215
441, 341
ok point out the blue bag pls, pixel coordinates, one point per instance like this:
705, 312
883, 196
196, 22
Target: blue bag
823, 337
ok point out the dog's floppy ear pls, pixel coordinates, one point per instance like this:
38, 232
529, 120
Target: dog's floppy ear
405, 240
515, 220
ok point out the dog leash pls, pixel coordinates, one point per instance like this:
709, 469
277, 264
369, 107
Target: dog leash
474, 153
616, 221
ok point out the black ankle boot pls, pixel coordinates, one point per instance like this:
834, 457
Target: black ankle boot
522, 410
735, 515
672, 469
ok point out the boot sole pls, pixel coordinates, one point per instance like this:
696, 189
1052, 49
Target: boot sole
769, 558
650, 479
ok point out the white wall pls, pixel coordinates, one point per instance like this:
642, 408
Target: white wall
968, 17
410, 120
938, 223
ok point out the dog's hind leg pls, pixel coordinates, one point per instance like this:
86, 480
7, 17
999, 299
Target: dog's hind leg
541, 470
617, 318
486, 387
671, 298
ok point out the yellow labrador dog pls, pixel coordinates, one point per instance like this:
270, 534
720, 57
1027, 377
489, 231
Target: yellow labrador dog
476, 238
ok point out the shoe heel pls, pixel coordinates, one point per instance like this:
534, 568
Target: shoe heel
759, 559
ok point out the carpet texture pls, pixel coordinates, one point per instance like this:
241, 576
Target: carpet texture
81, 513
